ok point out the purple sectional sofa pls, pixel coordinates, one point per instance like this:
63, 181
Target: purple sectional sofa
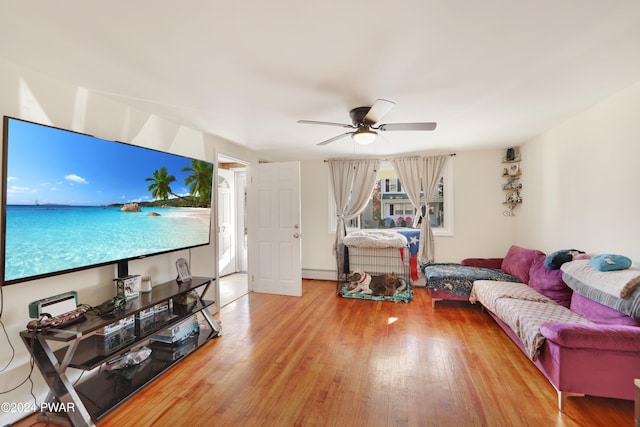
596, 352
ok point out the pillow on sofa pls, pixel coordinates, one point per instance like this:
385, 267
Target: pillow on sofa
549, 282
556, 259
518, 262
610, 262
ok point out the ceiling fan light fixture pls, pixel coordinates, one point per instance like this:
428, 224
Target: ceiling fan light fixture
364, 136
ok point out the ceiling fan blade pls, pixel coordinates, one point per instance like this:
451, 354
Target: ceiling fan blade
314, 122
408, 126
378, 110
335, 138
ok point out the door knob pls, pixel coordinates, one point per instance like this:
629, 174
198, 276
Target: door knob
296, 235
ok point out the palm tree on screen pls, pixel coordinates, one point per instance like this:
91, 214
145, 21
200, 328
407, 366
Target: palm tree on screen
161, 187
200, 180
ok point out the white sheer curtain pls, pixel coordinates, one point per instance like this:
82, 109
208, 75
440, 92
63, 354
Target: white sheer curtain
416, 174
352, 182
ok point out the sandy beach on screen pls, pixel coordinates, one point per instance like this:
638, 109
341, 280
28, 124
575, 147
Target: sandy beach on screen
202, 214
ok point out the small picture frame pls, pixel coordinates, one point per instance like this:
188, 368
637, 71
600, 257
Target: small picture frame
514, 169
184, 273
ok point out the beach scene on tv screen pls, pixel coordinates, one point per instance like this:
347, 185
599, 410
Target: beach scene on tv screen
74, 201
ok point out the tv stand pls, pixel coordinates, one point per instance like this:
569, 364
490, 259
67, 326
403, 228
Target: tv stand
84, 403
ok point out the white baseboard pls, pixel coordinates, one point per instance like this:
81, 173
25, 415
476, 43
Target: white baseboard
318, 274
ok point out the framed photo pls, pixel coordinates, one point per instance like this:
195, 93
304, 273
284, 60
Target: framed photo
514, 169
184, 274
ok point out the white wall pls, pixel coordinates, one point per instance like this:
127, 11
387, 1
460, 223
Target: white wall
318, 261
34, 97
579, 191
580, 181
480, 228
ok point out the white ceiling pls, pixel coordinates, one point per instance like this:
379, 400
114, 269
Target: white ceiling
492, 73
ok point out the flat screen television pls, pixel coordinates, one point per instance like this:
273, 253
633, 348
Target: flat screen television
72, 201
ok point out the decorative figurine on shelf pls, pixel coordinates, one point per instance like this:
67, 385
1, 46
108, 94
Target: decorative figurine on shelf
512, 184
511, 155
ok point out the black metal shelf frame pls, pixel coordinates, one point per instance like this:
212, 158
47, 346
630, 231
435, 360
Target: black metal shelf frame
96, 396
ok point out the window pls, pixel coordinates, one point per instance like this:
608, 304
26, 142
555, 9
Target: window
390, 206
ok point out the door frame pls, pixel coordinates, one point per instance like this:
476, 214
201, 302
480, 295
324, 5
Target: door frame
247, 165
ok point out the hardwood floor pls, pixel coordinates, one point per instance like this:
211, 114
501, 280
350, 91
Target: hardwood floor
232, 287
320, 360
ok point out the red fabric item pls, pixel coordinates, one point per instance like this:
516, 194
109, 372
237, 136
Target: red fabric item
494, 263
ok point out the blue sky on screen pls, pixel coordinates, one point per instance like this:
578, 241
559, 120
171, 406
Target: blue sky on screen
53, 166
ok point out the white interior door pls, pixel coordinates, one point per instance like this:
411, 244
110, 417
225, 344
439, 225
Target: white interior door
226, 223
276, 266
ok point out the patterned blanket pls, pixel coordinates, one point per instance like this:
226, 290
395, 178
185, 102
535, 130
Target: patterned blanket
488, 292
523, 309
458, 279
404, 296
526, 317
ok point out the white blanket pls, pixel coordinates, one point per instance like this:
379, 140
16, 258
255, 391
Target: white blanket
619, 283
375, 239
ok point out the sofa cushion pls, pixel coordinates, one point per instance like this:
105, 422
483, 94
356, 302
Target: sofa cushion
596, 337
549, 282
599, 313
483, 262
518, 262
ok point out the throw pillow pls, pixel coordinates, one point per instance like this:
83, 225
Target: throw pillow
556, 259
610, 262
518, 262
549, 282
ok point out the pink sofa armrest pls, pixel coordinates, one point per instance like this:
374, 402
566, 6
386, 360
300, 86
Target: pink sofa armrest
483, 262
598, 337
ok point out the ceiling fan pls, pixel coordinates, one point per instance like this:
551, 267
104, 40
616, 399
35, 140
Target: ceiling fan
365, 122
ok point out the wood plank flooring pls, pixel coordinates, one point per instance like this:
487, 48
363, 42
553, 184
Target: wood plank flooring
319, 360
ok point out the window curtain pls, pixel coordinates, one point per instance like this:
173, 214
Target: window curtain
421, 174
352, 182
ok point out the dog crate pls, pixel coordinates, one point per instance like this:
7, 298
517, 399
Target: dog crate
374, 261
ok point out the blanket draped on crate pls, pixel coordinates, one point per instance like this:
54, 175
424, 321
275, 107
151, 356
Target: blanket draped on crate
413, 239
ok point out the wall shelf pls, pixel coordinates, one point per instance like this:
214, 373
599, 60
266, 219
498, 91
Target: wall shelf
511, 173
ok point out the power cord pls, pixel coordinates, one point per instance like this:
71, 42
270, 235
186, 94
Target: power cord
13, 350
13, 353
6, 334
28, 378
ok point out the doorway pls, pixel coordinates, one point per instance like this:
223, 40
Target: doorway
232, 229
